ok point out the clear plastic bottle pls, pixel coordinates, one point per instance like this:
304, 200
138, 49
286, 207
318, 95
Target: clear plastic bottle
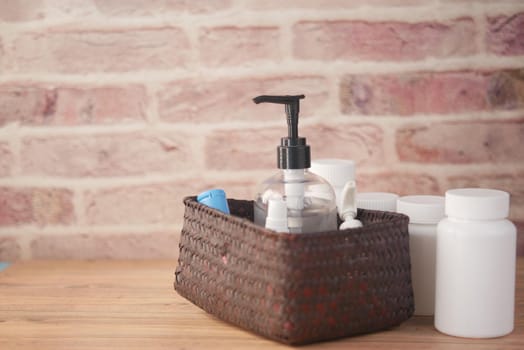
476, 257
310, 201
310, 204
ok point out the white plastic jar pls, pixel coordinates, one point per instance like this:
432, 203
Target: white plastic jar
476, 256
424, 213
383, 201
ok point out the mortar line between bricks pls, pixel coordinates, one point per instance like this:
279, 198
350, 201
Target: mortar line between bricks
92, 183
389, 142
24, 242
481, 34
15, 144
204, 128
151, 108
193, 32
28, 232
199, 149
79, 206
82, 183
480, 62
429, 12
286, 42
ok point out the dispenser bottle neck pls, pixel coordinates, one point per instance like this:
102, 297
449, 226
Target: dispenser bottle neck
293, 152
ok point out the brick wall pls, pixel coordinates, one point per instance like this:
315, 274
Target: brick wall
112, 110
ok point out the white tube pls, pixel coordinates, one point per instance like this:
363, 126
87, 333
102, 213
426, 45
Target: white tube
294, 188
347, 210
276, 219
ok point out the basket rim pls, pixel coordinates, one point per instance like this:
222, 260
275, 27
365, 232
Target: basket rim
390, 219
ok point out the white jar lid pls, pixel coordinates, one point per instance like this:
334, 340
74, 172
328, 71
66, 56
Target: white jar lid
422, 209
335, 171
383, 201
477, 204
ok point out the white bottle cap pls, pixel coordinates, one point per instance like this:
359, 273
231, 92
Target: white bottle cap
335, 171
477, 204
422, 209
383, 201
277, 215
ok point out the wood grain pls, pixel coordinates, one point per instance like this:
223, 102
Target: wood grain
132, 305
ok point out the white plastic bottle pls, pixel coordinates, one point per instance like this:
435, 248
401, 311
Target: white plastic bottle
383, 201
476, 256
340, 174
424, 213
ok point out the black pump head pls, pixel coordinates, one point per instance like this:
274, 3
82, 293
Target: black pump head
293, 152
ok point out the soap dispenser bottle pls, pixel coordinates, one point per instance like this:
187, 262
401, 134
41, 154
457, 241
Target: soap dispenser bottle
310, 204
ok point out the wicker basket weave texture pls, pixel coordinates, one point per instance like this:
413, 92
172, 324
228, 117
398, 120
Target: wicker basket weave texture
295, 288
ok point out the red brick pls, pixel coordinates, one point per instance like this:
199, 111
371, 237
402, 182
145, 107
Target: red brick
319, 5
239, 45
155, 203
131, 205
383, 41
361, 142
412, 93
498, 141
104, 50
432, 93
243, 149
505, 34
10, 249
69, 9
42, 206
105, 155
159, 7
20, 103
106, 246
47, 105
512, 182
16, 206
506, 89
199, 101
21, 10
6, 159
256, 148
401, 183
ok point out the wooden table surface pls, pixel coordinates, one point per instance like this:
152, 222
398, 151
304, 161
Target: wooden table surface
132, 305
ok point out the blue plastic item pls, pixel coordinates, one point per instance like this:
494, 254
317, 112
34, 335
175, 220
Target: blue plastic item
3, 265
215, 198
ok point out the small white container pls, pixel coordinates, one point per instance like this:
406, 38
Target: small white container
476, 256
424, 213
383, 201
338, 172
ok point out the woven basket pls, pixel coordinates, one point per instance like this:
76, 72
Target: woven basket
295, 288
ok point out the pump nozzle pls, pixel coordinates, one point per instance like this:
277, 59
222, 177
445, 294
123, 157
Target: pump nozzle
293, 152
292, 109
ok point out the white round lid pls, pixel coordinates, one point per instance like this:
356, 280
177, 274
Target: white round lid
422, 209
477, 204
383, 201
335, 171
